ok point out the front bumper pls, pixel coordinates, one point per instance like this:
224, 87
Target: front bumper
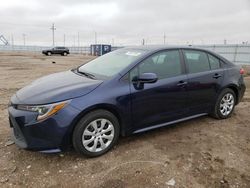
52, 134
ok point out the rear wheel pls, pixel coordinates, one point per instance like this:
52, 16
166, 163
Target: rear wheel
96, 133
65, 54
49, 53
225, 104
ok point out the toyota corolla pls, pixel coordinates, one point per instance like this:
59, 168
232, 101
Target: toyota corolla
127, 91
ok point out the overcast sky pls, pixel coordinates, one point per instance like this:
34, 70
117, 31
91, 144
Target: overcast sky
126, 22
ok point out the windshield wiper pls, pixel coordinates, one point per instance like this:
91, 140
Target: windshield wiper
86, 74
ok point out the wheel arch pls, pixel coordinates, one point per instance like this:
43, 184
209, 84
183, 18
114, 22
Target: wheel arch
107, 107
233, 87
235, 90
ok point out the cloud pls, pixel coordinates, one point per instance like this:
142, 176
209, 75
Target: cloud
126, 21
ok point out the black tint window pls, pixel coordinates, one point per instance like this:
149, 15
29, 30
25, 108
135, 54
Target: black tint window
214, 62
196, 61
164, 64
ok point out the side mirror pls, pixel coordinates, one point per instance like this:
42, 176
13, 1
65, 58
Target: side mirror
144, 78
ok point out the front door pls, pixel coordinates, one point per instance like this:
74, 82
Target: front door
165, 100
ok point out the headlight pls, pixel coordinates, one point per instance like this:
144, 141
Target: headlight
44, 111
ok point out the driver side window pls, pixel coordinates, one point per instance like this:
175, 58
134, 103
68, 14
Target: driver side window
164, 64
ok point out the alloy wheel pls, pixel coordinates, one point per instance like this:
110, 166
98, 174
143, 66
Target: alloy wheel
227, 104
98, 135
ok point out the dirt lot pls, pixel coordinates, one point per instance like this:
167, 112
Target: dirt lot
199, 153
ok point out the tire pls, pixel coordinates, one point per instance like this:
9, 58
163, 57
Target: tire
225, 104
99, 130
49, 53
65, 54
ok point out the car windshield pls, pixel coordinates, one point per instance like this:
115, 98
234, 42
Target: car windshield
112, 63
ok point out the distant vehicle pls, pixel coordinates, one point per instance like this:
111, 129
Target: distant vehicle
56, 50
123, 92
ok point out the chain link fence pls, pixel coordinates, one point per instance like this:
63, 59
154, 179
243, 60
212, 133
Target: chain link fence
239, 54
39, 49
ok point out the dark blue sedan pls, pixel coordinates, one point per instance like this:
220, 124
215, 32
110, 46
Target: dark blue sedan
127, 91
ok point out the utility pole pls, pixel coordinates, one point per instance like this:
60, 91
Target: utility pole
113, 41
78, 39
95, 38
164, 38
53, 33
78, 42
12, 40
64, 40
143, 42
24, 39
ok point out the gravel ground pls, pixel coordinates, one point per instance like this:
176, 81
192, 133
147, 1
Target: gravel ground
203, 152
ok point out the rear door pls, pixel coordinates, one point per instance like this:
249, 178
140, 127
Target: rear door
164, 100
205, 76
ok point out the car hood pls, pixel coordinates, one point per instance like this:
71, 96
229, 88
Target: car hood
56, 87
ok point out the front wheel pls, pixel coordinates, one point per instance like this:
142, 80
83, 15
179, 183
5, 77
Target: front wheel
96, 133
225, 104
65, 54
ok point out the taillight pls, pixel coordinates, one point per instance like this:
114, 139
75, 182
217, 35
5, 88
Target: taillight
242, 71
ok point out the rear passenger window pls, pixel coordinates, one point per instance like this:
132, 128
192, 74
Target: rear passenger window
214, 62
196, 61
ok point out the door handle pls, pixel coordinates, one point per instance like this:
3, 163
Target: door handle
216, 75
182, 83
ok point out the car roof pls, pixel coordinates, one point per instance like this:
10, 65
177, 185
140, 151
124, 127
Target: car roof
164, 47
156, 48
